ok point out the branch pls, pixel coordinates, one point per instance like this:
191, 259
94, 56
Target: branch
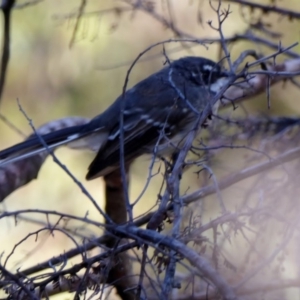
67, 280
243, 174
258, 82
6, 7
267, 8
196, 260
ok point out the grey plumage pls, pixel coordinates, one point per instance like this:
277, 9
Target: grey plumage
163, 106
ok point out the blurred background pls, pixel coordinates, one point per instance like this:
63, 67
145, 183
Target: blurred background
53, 79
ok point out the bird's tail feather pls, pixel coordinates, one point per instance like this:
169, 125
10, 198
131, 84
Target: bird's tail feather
33, 145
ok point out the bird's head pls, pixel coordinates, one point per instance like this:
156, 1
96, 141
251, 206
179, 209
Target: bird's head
199, 70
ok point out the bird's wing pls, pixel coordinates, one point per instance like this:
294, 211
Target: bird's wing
141, 131
153, 110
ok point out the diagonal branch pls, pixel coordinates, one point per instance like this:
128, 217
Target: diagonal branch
6, 7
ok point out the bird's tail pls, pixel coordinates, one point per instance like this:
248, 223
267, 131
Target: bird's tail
36, 144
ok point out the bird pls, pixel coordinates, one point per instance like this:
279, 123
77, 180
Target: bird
158, 113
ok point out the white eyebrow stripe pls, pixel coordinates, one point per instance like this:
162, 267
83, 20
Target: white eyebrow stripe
207, 67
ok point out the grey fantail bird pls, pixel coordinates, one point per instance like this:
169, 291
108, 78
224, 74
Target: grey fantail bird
158, 112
